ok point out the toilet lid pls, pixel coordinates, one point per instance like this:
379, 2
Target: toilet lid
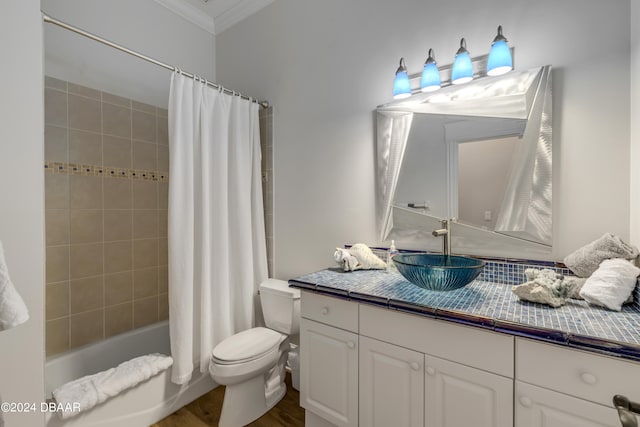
247, 345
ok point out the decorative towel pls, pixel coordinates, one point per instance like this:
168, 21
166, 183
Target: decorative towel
548, 287
611, 284
13, 311
584, 261
94, 389
358, 257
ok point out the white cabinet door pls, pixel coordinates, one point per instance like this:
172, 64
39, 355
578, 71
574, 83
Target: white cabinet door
329, 372
539, 407
457, 395
391, 385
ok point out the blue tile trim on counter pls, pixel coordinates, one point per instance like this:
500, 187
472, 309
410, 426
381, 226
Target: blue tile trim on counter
490, 304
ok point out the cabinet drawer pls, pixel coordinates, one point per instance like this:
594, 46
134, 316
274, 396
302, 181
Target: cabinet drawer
489, 351
577, 373
330, 311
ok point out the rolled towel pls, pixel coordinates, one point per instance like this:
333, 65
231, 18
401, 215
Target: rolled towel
584, 261
611, 284
94, 389
359, 257
13, 311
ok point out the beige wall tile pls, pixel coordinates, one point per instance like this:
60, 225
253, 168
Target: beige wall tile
85, 192
85, 226
145, 224
117, 257
118, 288
116, 100
117, 225
163, 223
163, 252
162, 112
163, 279
55, 107
84, 91
57, 264
57, 333
55, 144
55, 83
145, 283
143, 126
116, 151
86, 294
140, 106
162, 131
57, 296
163, 158
85, 147
144, 156
86, 328
163, 306
86, 260
84, 113
145, 194
117, 193
163, 195
57, 226
56, 191
145, 253
118, 319
116, 120
145, 312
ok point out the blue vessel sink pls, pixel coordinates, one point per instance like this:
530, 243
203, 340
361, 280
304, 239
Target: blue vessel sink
438, 272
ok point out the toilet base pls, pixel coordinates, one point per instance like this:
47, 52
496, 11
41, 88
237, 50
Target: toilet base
246, 402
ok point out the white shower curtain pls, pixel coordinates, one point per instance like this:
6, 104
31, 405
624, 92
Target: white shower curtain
217, 249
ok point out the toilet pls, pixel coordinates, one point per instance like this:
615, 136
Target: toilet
251, 364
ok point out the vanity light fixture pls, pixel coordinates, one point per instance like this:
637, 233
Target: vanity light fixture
462, 71
500, 61
401, 85
430, 80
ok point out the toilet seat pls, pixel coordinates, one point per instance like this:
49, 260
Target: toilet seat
247, 346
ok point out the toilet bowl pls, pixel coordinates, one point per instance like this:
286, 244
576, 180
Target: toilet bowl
251, 364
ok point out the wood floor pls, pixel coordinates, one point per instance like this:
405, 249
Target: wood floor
205, 412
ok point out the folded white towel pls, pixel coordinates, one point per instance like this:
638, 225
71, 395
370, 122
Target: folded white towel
13, 311
358, 257
584, 261
611, 284
94, 389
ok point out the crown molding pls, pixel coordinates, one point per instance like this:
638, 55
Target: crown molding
237, 13
190, 13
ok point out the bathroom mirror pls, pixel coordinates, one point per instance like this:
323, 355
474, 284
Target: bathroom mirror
478, 153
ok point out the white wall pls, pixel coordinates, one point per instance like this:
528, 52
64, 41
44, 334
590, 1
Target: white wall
326, 65
635, 122
143, 26
22, 205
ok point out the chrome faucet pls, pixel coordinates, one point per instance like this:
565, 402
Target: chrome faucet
446, 238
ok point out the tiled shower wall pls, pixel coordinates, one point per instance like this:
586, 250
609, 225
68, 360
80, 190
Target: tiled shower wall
107, 161
266, 143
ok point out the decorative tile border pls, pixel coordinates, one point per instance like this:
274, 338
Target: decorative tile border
94, 170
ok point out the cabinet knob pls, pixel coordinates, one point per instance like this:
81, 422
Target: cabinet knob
525, 401
325, 311
351, 344
431, 371
588, 378
415, 366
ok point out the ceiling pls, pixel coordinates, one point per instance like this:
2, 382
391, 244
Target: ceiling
214, 16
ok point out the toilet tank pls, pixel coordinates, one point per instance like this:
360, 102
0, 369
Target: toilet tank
280, 306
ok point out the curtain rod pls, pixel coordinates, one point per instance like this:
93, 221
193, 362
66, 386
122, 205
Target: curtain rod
46, 18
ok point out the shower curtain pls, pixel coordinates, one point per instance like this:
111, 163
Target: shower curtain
217, 248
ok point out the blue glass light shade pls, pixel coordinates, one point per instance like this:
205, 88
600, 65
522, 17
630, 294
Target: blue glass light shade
430, 80
462, 71
500, 61
401, 84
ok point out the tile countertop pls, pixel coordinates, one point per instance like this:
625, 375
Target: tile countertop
490, 306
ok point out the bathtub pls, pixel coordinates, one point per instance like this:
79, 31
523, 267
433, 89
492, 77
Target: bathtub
140, 406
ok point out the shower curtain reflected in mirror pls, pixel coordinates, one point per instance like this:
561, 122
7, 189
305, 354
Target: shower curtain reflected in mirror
217, 249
